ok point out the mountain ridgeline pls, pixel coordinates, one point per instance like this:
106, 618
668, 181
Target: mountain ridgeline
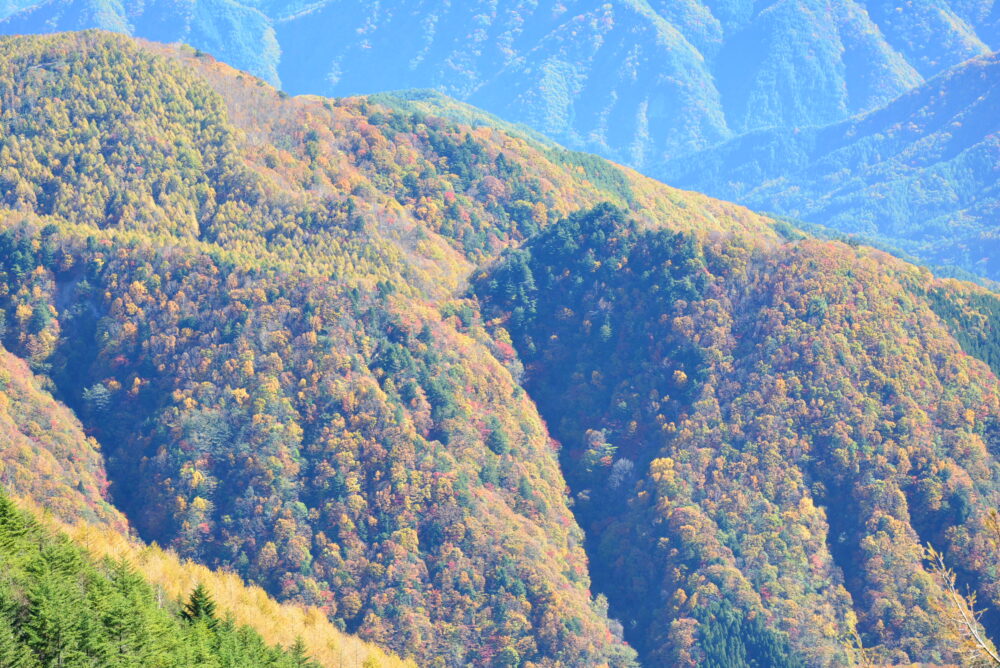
468, 393
754, 101
640, 80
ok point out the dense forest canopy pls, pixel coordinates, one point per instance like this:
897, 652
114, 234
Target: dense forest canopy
474, 396
266, 353
759, 432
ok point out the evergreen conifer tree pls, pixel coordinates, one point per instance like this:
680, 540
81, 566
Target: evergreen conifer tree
13, 654
299, 655
53, 628
200, 607
126, 614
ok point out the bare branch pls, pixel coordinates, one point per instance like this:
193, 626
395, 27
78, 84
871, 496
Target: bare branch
961, 615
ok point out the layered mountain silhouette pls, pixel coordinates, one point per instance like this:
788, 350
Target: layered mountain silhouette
920, 174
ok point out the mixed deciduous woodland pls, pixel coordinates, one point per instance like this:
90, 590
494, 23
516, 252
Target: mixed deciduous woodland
474, 398
760, 433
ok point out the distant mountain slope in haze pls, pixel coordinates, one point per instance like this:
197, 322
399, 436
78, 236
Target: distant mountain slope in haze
922, 173
232, 30
581, 75
632, 80
8, 7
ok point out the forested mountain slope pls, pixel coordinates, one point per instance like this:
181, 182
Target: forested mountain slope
50, 465
260, 307
44, 453
244, 294
761, 437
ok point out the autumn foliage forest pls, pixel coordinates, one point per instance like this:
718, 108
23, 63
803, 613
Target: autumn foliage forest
474, 399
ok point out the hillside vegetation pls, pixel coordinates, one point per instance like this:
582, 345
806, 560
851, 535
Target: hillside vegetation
59, 607
45, 458
174, 580
245, 314
431, 378
765, 437
44, 453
